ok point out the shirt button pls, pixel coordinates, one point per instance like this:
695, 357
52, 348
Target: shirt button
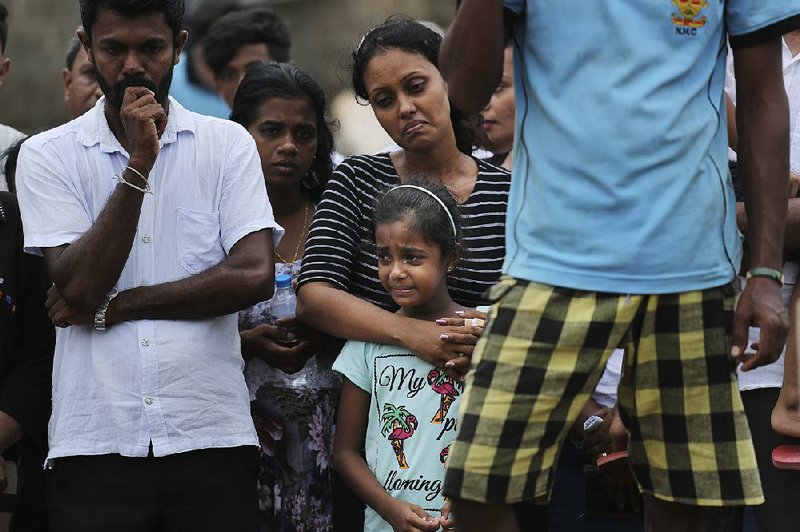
145, 342
146, 239
148, 401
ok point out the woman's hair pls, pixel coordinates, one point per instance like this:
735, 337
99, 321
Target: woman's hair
422, 212
265, 80
404, 34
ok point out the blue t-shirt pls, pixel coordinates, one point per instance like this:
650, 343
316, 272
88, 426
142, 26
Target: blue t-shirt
193, 97
620, 178
412, 422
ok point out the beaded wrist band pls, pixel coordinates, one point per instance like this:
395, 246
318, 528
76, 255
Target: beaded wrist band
771, 273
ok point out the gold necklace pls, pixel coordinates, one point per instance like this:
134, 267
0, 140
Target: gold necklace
299, 243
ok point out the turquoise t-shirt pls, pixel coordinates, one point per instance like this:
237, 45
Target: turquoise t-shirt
620, 178
412, 422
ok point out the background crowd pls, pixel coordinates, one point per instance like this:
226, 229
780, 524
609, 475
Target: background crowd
172, 363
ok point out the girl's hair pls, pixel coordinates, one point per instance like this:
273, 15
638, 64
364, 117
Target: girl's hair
404, 34
423, 213
265, 80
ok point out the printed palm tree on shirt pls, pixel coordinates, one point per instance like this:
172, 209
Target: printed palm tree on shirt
398, 425
444, 385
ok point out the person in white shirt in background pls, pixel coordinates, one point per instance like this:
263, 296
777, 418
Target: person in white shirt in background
772, 406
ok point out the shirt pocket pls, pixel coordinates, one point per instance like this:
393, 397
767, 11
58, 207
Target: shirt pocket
199, 246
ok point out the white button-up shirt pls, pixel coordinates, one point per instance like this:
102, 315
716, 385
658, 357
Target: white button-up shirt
791, 80
175, 383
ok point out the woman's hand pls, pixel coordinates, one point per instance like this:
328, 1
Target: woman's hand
468, 327
406, 517
264, 341
444, 346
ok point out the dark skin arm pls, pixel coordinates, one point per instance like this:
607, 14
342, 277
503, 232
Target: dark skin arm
791, 237
350, 433
242, 279
762, 119
471, 57
85, 271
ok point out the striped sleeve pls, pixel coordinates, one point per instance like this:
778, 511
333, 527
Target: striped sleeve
331, 246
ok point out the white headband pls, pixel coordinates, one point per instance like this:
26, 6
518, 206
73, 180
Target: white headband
440, 202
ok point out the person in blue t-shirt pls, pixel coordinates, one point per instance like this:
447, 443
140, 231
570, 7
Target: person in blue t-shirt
622, 233
404, 406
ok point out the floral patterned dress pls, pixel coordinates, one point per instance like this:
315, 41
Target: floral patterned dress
294, 417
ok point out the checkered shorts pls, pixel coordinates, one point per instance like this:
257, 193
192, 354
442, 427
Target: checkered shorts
541, 356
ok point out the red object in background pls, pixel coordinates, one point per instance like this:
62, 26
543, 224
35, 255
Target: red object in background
786, 457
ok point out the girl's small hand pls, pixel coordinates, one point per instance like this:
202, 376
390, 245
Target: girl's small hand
263, 341
406, 517
446, 521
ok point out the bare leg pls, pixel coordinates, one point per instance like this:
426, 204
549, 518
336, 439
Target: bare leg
479, 517
786, 414
664, 516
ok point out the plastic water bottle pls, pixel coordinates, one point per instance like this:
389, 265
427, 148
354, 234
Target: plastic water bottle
284, 302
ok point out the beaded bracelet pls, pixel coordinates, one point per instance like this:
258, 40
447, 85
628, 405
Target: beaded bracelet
770, 273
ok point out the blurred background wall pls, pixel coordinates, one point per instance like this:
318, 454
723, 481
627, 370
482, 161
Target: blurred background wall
323, 34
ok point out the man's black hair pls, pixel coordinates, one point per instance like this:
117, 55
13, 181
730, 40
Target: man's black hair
3, 27
239, 28
172, 10
200, 15
72, 51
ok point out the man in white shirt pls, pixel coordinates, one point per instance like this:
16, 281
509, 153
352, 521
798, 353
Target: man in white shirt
156, 228
8, 135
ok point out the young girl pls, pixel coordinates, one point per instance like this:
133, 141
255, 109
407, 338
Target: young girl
404, 407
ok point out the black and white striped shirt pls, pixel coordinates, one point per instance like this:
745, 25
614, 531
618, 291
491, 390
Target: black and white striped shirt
341, 242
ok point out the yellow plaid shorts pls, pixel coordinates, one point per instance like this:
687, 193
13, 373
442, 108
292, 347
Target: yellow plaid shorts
542, 353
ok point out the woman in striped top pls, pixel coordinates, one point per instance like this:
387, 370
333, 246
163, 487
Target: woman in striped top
395, 70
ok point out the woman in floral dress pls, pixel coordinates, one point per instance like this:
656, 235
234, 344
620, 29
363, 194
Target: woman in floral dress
292, 394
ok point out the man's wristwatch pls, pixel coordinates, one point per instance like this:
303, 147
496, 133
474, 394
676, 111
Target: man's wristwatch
100, 313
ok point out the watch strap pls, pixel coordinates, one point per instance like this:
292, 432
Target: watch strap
102, 309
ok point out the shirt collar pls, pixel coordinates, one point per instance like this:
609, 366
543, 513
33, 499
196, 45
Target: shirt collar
788, 59
94, 127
